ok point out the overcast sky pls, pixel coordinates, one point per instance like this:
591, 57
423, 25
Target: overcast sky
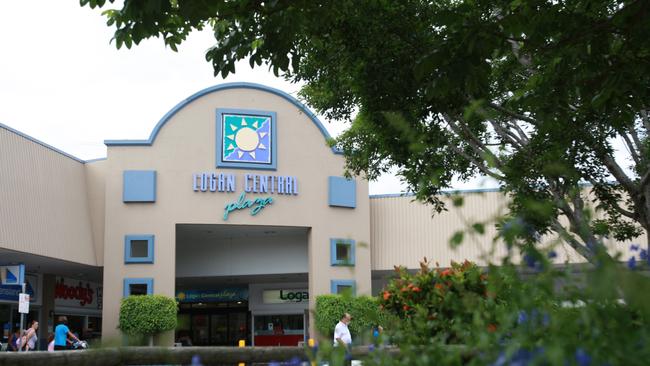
62, 82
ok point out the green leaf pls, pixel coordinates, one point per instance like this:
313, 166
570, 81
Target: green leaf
456, 239
479, 228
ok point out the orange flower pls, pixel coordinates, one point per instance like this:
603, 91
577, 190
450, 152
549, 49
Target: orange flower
492, 328
410, 285
404, 289
416, 289
446, 273
439, 286
406, 308
386, 295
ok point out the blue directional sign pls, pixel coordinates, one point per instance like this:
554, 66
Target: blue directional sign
13, 275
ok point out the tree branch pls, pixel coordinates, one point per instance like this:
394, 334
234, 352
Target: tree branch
477, 163
620, 175
513, 114
569, 239
466, 134
632, 148
506, 135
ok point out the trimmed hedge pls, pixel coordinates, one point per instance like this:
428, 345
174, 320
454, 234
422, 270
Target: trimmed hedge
364, 310
147, 314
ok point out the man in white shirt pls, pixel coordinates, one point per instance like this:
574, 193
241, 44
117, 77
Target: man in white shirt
341, 332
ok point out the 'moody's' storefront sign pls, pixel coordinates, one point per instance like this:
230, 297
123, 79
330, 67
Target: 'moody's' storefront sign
253, 183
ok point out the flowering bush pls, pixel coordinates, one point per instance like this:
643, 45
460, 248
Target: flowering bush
437, 303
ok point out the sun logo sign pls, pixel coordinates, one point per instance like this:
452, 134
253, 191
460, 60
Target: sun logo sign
246, 139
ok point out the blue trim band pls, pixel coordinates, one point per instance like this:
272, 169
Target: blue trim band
351, 261
445, 192
215, 88
336, 283
137, 281
128, 256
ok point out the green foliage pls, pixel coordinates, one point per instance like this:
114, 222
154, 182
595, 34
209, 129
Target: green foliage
147, 314
364, 310
445, 90
434, 304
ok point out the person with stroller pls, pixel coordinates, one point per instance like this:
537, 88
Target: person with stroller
62, 335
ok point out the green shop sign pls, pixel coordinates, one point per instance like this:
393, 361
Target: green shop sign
220, 295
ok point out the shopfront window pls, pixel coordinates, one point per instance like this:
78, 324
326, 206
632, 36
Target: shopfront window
279, 330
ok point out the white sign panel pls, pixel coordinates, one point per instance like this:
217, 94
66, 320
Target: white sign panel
285, 296
23, 303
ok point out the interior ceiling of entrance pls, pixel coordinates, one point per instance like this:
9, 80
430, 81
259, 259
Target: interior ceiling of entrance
39, 264
226, 253
216, 231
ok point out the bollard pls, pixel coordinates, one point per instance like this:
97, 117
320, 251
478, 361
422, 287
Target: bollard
242, 343
312, 345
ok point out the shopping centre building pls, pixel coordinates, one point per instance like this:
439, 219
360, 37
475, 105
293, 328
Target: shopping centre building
235, 204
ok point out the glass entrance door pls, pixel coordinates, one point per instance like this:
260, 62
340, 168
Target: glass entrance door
219, 330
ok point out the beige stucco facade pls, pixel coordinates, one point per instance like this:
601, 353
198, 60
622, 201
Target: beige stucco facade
74, 213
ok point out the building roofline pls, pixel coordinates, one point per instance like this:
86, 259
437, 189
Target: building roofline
445, 192
39, 142
216, 88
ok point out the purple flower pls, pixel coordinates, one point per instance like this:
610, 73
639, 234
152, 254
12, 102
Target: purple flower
522, 317
631, 263
530, 260
643, 254
582, 357
634, 247
552, 254
196, 360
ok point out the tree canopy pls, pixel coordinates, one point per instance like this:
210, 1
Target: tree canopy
537, 94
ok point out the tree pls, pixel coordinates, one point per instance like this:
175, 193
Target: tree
535, 94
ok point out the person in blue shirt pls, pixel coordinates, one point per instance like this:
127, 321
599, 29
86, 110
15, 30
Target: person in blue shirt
61, 334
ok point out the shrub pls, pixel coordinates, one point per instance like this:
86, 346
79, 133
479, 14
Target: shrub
440, 303
364, 310
147, 314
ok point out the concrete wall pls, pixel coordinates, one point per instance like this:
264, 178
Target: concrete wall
186, 145
242, 256
43, 201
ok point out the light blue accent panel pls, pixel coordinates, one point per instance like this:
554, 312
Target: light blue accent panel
228, 164
336, 283
342, 192
349, 242
217, 88
138, 281
139, 186
128, 258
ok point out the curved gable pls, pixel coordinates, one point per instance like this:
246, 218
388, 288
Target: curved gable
216, 88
